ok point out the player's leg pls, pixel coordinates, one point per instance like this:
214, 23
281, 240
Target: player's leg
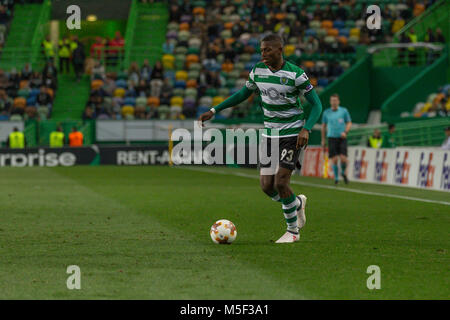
267, 186
344, 160
289, 155
333, 155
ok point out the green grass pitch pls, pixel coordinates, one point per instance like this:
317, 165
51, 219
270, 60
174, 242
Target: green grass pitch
143, 233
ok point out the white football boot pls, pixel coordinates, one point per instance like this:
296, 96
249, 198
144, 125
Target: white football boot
301, 217
289, 237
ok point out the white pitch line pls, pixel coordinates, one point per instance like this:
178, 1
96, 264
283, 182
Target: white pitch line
240, 174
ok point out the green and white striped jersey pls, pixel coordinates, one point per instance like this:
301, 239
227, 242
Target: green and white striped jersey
279, 93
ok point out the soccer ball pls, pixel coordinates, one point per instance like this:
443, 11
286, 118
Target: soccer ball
223, 232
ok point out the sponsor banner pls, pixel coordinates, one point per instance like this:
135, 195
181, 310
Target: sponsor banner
412, 167
159, 155
316, 163
48, 157
135, 155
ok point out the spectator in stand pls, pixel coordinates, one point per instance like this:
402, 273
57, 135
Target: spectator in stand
26, 72
146, 71
97, 48
142, 89
5, 102
35, 80
168, 47
78, 57
116, 48
133, 73
43, 98
375, 140
49, 75
174, 13
157, 77
98, 71
439, 36
4, 16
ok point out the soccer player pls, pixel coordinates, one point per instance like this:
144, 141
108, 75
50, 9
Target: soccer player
279, 83
336, 122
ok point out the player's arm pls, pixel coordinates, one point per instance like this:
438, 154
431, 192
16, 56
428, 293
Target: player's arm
234, 100
348, 125
316, 110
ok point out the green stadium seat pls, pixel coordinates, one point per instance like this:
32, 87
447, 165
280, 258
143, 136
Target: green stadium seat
195, 66
163, 112
193, 74
178, 92
211, 92
173, 26
181, 50
190, 92
225, 92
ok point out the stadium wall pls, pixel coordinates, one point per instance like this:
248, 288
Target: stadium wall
416, 89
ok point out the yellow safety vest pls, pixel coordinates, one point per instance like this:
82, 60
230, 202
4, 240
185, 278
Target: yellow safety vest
375, 142
17, 140
56, 139
48, 47
64, 50
413, 38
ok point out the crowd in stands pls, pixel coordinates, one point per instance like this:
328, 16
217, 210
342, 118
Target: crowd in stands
437, 105
212, 45
27, 94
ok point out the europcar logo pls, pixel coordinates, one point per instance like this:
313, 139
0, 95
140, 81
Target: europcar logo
401, 174
381, 167
360, 166
426, 171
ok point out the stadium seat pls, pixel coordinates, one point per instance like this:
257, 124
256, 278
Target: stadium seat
163, 112
184, 26
181, 50
173, 26
16, 117
119, 92
121, 83
127, 110
205, 101
176, 101
168, 61
20, 102
192, 83
180, 84
96, 84
178, 92
217, 100
191, 92
181, 75
42, 112
129, 101
199, 11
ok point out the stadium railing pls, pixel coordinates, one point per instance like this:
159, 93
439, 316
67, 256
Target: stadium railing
413, 133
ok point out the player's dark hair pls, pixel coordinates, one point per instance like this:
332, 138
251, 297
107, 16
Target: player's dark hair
273, 38
390, 126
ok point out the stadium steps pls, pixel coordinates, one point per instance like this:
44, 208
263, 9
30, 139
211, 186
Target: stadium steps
17, 50
71, 97
149, 33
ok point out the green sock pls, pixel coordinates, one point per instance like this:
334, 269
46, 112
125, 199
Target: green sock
290, 212
275, 196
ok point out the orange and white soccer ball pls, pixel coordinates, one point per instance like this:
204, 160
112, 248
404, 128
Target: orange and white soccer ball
223, 232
